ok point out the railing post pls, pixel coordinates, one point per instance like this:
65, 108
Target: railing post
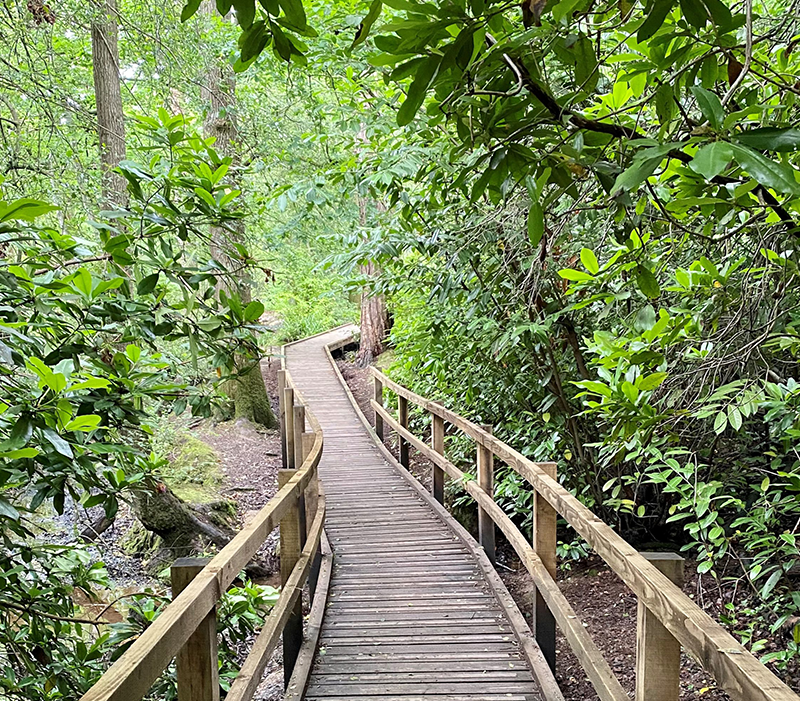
486, 483
299, 425
197, 661
437, 443
658, 654
288, 415
402, 418
544, 543
290, 553
377, 391
282, 414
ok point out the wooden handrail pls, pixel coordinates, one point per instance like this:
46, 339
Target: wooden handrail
132, 675
735, 670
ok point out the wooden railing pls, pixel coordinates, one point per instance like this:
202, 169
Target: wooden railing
187, 628
667, 618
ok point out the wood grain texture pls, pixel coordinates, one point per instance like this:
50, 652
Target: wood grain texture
395, 558
485, 463
735, 670
197, 663
658, 654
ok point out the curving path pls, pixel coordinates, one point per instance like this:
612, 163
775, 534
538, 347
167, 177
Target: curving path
411, 612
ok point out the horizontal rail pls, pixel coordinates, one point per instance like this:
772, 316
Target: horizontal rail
591, 659
132, 675
249, 677
735, 670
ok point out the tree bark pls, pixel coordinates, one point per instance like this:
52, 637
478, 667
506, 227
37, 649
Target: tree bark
108, 99
247, 390
374, 317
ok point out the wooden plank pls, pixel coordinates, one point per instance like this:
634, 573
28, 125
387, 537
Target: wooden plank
282, 415
485, 461
249, 677
735, 670
544, 543
197, 662
291, 542
437, 444
288, 403
377, 395
658, 654
597, 669
402, 417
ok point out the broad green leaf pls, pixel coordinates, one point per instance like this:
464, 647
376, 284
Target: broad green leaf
651, 381
425, 75
58, 443
586, 71
647, 281
147, 284
366, 24
189, 9
535, 223
589, 260
656, 13
734, 418
87, 422
770, 139
24, 209
8, 511
295, 12
253, 311
769, 173
721, 422
712, 159
245, 12
694, 12
575, 275
710, 105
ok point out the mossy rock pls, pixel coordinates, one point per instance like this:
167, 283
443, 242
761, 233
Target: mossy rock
194, 471
140, 542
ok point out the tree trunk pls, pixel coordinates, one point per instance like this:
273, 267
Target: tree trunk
373, 322
374, 317
247, 390
108, 99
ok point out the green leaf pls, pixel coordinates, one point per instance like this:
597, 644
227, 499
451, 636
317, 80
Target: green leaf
366, 24
8, 511
665, 103
694, 12
295, 12
721, 422
770, 584
245, 12
720, 13
147, 284
712, 159
24, 209
651, 381
656, 13
58, 443
189, 9
252, 41
734, 418
86, 423
586, 72
576, 275
205, 195
770, 139
425, 75
647, 282
589, 260
535, 223
643, 166
769, 173
19, 435
710, 106
253, 311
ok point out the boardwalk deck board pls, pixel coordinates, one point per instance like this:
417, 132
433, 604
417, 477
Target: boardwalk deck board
411, 615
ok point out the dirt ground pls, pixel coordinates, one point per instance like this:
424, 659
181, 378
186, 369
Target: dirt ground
600, 599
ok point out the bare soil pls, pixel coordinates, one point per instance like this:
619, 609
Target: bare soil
600, 599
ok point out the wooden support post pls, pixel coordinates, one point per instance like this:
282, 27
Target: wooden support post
290, 553
299, 425
282, 415
288, 403
197, 661
658, 654
486, 483
402, 417
544, 543
437, 443
377, 387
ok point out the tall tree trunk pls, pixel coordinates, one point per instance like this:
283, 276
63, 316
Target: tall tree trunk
248, 391
108, 99
374, 317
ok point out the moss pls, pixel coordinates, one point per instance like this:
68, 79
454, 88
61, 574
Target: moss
194, 470
250, 398
140, 542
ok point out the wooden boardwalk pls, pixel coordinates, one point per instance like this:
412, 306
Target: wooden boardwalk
411, 613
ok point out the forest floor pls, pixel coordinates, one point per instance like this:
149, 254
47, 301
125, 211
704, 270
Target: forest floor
600, 599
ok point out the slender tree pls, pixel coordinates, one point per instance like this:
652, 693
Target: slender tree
108, 99
247, 390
